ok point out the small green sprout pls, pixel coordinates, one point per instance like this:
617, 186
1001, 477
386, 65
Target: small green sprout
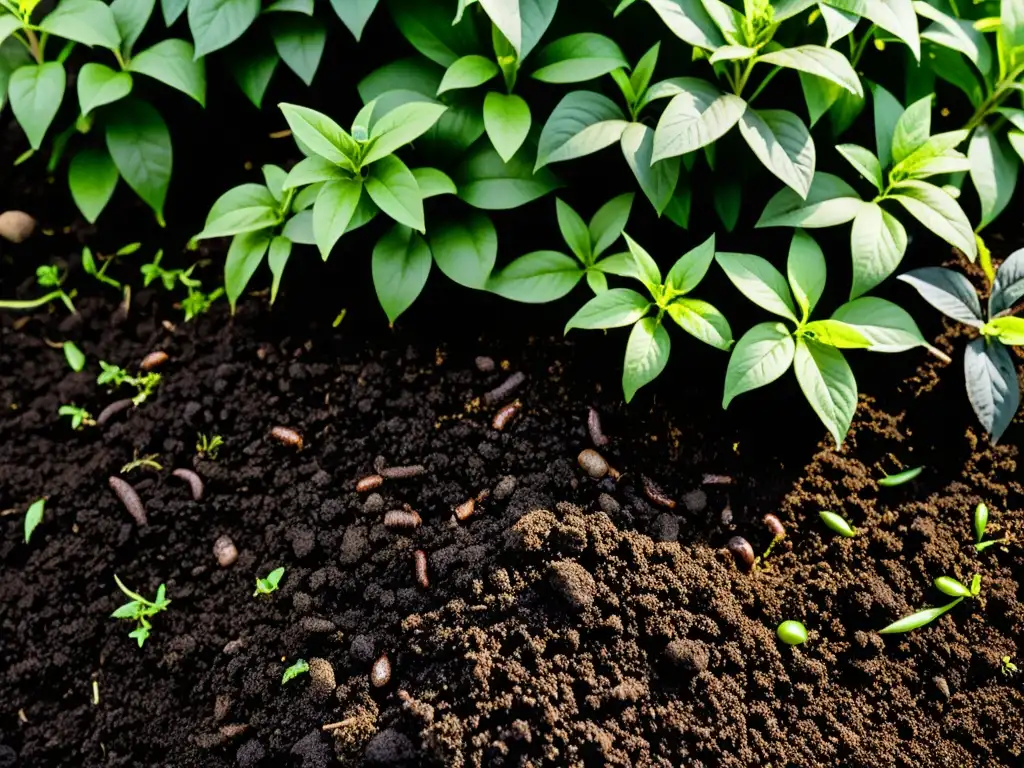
115, 376
33, 517
208, 447
269, 584
298, 668
140, 609
95, 693
946, 585
48, 276
149, 461
89, 263
792, 633
197, 302
74, 356
837, 524
1009, 668
169, 277
79, 416
980, 525
890, 481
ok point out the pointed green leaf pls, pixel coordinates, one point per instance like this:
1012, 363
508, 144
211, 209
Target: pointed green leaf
244, 257
507, 121
658, 180
886, 326
33, 517
252, 65
835, 333
607, 224
992, 385
939, 212
400, 126
577, 58
582, 123
830, 202
215, 24
646, 267
877, 242
887, 114
761, 356
537, 277
817, 60
130, 18
98, 84
277, 260
468, 72
433, 182
393, 188
300, 42
913, 128
90, 22
466, 250
993, 171
333, 212
699, 115
173, 63
691, 267
828, 384
782, 142
140, 145
702, 321
759, 281
574, 230
866, 164
354, 14
92, 178
647, 353
805, 268
612, 309
321, 135
401, 265
949, 292
35, 92
486, 181
690, 21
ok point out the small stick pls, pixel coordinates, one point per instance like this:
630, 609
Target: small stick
717, 480
113, 409
130, 499
195, 482
938, 353
594, 426
506, 388
420, 568
338, 725
400, 473
655, 494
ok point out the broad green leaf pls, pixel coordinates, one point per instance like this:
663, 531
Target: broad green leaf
886, 326
33, 517
401, 265
468, 72
312, 170
1009, 284
949, 292
828, 384
583, 123
894, 16
466, 249
216, 24
838, 23
299, 41
787, 9
761, 356
507, 121
172, 10
140, 144
759, 281
830, 202
699, 115
238, 220
577, 58
1009, 329
173, 63
354, 14
702, 321
333, 212
732, 53
597, 281
277, 259
913, 128
574, 231
537, 277
612, 309
646, 267
299, 228
486, 181
993, 171
130, 18
690, 21
98, 84
244, 257
9, 23
835, 333
678, 208
85, 21
954, 69
657, 180
817, 60
956, 35
939, 212
992, 385
393, 188
782, 142
691, 267
866, 164
92, 177
401, 126
35, 92
321, 135
243, 196
845, 111
252, 66
805, 268
433, 182
507, 17
428, 27
888, 112
647, 353
1011, 24
537, 16
819, 95
607, 224
877, 244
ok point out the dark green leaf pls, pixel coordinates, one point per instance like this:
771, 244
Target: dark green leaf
393, 188
85, 21
354, 14
658, 180
537, 278
486, 182
949, 292
140, 144
35, 92
466, 250
215, 24
577, 58
401, 265
583, 123
244, 256
299, 41
992, 385
173, 63
828, 384
92, 178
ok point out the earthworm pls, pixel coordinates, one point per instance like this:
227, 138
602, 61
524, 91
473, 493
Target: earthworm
505, 415
287, 436
420, 568
153, 360
742, 551
380, 673
400, 518
655, 494
368, 483
775, 526
130, 499
113, 409
195, 482
506, 388
484, 364
225, 551
717, 480
400, 473
465, 510
594, 426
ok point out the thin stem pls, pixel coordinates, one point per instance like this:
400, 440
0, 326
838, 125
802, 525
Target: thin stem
31, 303
858, 51
33, 45
743, 78
938, 353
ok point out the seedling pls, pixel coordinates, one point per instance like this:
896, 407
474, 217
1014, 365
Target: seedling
208, 447
33, 517
300, 667
100, 273
197, 302
79, 416
148, 461
74, 356
980, 525
140, 610
890, 481
948, 586
1009, 668
792, 633
168, 277
269, 584
48, 276
115, 376
778, 534
837, 524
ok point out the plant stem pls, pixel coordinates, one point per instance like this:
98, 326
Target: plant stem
741, 81
33, 45
32, 303
858, 50
938, 353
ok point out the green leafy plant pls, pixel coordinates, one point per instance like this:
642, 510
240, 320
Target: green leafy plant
115, 376
270, 583
74, 356
300, 667
1009, 669
33, 517
169, 278
100, 273
980, 526
812, 348
947, 586
79, 416
198, 302
149, 461
48, 276
140, 610
208, 447
992, 384
648, 348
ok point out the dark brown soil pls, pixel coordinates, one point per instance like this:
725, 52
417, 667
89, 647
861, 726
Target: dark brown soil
567, 622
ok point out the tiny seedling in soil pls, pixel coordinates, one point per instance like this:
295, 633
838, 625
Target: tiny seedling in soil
269, 584
74, 356
47, 276
890, 481
948, 586
100, 273
115, 376
208, 447
792, 633
149, 461
298, 668
79, 416
197, 302
1009, 668
837, 524
980, 525
140, 610
33, 517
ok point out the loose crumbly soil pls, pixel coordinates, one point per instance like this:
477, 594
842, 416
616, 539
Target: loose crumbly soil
568, 622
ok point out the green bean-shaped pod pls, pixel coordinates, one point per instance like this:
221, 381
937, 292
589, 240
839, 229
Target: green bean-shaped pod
919, 619
980, 520
900, 477
837, 524
950, 586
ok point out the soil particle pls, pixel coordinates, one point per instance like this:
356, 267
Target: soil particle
608, 504
361, 649
316, 626
695, 501
484, 364
250, 754
355, 544
573, 583
225, 551
690, 655
389, 747
313, 750
303, 541
321, 674
374, 504
665, 527
506, 487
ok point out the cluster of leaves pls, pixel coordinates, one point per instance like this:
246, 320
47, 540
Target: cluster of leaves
116, 376
269, 584
140, 610
47, 276
197, 301
208, 447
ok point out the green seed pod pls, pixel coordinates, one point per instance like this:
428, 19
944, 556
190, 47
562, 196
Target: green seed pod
837, 524
980, 521
951, 587
900, 477
976, 585
792, 633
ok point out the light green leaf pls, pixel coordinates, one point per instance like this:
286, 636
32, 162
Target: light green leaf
993, 171
401, 265
621, 264
817, 60
92, 178
140, 144
393, 188
173, 63
354, 14
888, 112
277, 260
130, 18
597, 281
215, 24
864, 162
939, 212
949, 292
468, 72
313, 170
577, 58
828, 384
830, 202
507, 17
487, 182
690, 21
699, 115
299, 41
1011, 24
732, 53
433, 182
583, 123
886, 326
9, 23
507, 121
172, 10
805, 268
299, 228
913, 128
956, 35
321, 135
466, 250
244, 257
1008, 329
640, 79
537, 277
85, 21
333, 211
612, 309
782, 142
839, 23
759, 281
537, 16
400, 126
33, 517
691, 267
243, 196
646, 267
894, 16
574, 231
607, 224
702, 321
877, 243
234, 216
657, 180
761, 356
35, 92
252, 66
835, 333
819, 95
647, 353
98, 84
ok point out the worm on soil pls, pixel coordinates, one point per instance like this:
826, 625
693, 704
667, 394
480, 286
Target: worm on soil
742, 551
775, 526
368, 483
655, 494
130, 499
380, 673
400, 473
287, 436
717, 480
594, 426
420, 567
465, 510
400, 518
506, 388
113, 409
153, 360
195, 482
225, 551
505, 415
